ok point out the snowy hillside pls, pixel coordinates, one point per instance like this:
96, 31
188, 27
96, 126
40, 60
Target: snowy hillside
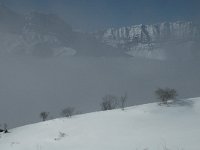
143, 127
154, 40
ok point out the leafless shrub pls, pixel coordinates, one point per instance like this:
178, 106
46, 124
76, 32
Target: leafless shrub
109, 102
123, 100
44, 115
166, 94
68, 112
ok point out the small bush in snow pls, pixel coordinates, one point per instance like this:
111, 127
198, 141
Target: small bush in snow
5, 128
44, 115
123, 100
166, 94
61, 134
68, 112
109, 102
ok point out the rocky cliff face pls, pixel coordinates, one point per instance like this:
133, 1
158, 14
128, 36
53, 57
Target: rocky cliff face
150, 40
42, 34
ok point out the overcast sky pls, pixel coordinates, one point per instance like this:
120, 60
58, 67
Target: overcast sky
97, 14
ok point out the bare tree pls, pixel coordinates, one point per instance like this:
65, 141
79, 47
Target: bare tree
68, 112
166, 94
44, 115
123, 100
109, 102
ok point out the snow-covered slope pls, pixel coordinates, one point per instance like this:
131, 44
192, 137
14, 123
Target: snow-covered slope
143, 127
151, 40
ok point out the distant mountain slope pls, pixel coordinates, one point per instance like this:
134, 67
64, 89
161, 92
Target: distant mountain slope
45, 35
152, 40
142, 127
9, 20
41, 34
34, 33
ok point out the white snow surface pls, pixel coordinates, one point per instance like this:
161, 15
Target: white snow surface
152, 41
142, 127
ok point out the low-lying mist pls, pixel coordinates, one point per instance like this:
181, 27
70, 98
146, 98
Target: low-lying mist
29, 85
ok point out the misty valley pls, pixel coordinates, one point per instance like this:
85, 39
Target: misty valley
119, 85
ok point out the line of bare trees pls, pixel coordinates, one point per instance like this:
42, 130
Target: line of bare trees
110, 102
66, 112
162, 94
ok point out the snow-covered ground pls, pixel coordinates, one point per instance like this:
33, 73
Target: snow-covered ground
142, 127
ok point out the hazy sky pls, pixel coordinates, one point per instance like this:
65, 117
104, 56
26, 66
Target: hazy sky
95, 14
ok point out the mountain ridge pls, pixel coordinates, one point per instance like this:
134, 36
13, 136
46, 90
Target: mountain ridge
47, 35
150, 38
